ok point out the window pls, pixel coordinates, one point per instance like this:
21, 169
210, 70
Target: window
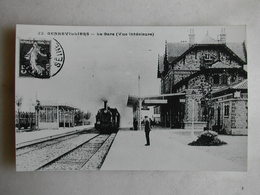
207, 56
42, 115
157, 110
215, 79
233, 78
224, 79
226, 110
48, 114
212, 112
204, 112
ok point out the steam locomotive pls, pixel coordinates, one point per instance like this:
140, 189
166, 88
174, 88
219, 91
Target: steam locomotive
107, 119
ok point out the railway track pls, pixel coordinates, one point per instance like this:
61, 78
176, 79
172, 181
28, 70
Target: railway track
88, 156
28, 148
76, 152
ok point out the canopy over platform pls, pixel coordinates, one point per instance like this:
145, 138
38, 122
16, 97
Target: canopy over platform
152, 100
155, 102
62, 106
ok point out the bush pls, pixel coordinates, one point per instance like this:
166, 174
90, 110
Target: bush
207, 138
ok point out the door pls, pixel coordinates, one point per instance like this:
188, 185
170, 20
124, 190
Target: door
218, 118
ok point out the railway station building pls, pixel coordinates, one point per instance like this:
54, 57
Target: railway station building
204, 84
201, 70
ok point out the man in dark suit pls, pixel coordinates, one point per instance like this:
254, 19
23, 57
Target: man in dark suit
147, 129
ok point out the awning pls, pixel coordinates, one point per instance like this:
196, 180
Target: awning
242, 86
155, 102
152, 99
132, 101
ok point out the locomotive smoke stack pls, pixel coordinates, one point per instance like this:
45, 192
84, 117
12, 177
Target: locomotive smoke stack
105, 104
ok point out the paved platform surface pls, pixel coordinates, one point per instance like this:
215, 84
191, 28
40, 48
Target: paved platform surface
169, 151
32, 135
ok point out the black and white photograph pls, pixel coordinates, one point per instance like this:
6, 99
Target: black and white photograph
131, 98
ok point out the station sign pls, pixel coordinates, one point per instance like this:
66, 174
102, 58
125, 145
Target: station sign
156, 101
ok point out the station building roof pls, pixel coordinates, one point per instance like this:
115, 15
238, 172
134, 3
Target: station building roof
63, 106
242, 86
175, 51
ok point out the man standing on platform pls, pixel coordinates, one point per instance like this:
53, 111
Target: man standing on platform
147, 129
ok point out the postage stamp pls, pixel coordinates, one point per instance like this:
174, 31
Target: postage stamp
39, 59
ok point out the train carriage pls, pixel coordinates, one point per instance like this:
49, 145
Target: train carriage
25, 120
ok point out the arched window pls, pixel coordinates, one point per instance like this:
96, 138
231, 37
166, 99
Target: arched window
215, 79
224, 79
233, 78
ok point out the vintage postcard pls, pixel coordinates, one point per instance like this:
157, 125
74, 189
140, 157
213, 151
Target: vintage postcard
131, 98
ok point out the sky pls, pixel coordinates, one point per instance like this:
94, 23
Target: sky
98, 67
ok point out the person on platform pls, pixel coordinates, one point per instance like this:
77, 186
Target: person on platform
147, 129
135, 124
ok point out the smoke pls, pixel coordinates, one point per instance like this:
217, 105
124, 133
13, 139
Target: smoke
116, 97
104, 99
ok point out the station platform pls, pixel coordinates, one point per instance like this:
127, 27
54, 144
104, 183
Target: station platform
169, 150
22, 137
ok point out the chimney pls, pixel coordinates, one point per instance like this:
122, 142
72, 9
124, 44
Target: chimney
222, 36
191, 37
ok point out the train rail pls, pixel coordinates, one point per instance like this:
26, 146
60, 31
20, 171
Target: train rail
88, 156
52, 137
77, 152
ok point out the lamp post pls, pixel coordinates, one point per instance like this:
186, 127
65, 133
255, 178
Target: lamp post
193, 113
37, 108
140, 102
193, 97
206, 90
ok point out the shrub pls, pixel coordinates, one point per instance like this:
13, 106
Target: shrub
208, 138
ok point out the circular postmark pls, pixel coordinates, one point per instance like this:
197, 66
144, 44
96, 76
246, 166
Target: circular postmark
41, 58
58, 58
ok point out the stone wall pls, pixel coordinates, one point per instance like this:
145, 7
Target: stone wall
189, 105
192, 62
236, 122
239, 118
227, 118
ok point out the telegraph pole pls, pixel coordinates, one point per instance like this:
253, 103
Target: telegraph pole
193, 114
140, 103
193, 97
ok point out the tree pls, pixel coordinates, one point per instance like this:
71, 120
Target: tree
38, 107
87, 115
18, 102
